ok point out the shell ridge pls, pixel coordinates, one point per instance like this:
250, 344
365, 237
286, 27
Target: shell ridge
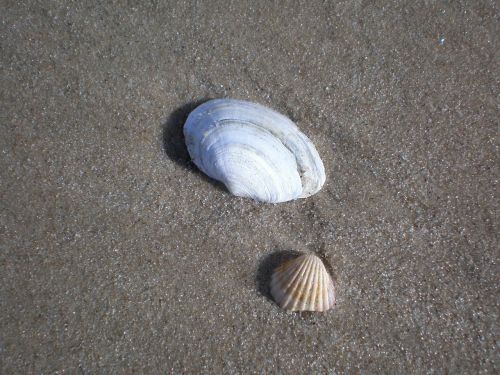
305, 297
309, 299
234, 185
219, 153
297, 291
303, 284
325, 302
315, 287
280, 282
261, 127
295, 269
288, 285
307, 146
304, 167
329, 293
324, 291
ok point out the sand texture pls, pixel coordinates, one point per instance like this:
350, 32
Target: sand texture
117, 256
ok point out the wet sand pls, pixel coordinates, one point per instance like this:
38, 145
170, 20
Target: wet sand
118, 256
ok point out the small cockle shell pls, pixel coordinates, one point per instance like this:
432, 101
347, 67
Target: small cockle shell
303, 284
255, 151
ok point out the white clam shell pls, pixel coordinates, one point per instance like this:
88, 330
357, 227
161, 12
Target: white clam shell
303, 284
255, 151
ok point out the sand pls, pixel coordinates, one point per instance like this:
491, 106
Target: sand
118, 256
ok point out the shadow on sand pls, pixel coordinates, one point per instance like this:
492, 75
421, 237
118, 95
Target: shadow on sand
174, 144
266, 268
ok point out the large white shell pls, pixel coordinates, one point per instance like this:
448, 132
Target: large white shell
303, 284
255, 151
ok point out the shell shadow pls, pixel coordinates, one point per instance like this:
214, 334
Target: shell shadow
266, 268
174, 144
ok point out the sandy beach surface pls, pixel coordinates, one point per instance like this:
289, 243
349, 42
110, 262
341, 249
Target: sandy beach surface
118, 256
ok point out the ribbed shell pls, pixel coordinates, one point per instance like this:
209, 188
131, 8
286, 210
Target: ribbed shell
255, 151
303, 284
